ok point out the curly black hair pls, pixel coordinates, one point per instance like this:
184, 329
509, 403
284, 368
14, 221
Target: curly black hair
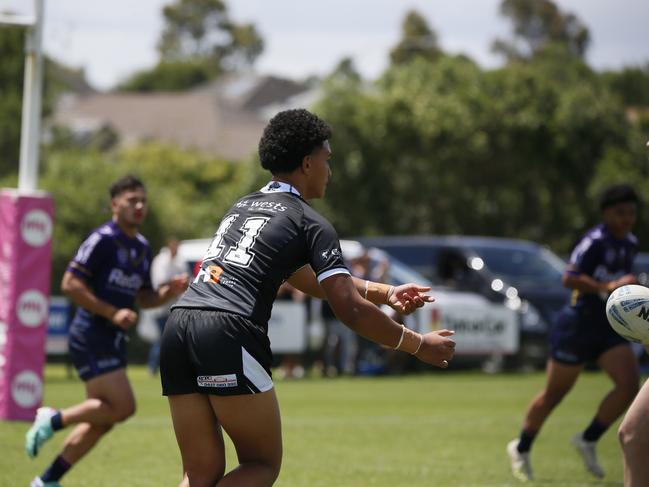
619, 193
289, 137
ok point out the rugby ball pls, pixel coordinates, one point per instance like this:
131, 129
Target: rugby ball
627, 310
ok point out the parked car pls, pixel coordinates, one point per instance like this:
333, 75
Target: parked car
520, 274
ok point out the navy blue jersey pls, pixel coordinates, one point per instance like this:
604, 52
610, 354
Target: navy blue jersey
114, 266
264, 238
604, 258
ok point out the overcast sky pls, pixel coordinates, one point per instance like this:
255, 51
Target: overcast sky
111, 39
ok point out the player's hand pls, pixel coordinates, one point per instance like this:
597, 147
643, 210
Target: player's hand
178, 284
437, 349
124, 318
623, 281
408, 297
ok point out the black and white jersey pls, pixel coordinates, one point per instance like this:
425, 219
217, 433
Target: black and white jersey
264, 238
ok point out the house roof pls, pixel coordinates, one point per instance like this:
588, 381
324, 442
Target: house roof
224, 118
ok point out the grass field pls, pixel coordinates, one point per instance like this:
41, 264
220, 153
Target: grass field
445, 429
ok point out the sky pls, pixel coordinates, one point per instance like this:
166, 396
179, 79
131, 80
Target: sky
112, 39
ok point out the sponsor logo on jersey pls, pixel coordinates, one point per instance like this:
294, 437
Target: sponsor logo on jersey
271, 206
211, 273
118, 277
219, 381
328, 254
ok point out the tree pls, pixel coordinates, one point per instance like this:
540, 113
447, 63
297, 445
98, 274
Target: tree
198, 43
447, 148
12, 52
417, 40
56, 78
538, 24
169, 76
202, 30
632, 84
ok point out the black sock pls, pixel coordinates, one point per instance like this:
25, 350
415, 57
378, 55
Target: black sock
56, 470
594, 431
525, 441
56, 421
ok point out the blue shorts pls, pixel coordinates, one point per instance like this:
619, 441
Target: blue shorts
582, 335
96, 349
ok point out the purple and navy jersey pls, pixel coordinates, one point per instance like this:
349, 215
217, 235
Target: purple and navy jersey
604, 258
261, 241
114, 266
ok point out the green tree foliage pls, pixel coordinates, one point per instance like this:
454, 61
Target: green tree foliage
538, 24
202, 29
447, 148
632, 84
12, 53
199, 42
417, 40
56, 78
169, 76
188, 193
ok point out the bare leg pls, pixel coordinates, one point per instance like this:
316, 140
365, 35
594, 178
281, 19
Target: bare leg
634, 437
199, 438
110, 400
560, 379
253, 423
621, 365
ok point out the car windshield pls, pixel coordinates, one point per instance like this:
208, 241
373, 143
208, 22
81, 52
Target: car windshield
521, 266
399, 273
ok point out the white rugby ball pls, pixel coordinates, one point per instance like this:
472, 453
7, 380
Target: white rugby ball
627, 310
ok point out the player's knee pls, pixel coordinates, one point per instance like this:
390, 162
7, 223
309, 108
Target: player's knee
124, 411
207, 474
629, 439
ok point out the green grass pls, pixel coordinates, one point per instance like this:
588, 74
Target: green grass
440, 429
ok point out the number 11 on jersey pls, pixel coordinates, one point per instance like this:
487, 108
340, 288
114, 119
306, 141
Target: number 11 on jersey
240, 254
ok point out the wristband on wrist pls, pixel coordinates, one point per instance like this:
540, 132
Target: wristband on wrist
421, 342
403, 332
390, 293
411, 341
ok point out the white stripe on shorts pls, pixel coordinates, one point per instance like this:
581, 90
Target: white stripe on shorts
255, 372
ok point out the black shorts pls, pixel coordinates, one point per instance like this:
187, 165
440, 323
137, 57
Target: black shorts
214, 352
582, 335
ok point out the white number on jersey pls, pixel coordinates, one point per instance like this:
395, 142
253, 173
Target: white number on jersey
240, 254
216, 247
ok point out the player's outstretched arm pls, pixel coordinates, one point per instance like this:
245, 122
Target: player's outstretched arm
364, 318
77, 290
404, 299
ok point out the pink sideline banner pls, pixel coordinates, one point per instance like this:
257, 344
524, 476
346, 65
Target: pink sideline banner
26, 224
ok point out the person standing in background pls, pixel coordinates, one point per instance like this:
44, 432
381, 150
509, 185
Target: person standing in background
165, 267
